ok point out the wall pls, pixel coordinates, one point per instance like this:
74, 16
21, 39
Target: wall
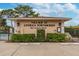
27, 30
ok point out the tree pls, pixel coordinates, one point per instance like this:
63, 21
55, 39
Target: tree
19, 11
33, 14
2, 22
25, 11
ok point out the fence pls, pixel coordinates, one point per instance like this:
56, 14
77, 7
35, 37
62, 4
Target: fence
73, 32
4, 37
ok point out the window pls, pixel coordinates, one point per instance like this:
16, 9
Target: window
32, 22
59, 24
59, 29
18, 24
51, 24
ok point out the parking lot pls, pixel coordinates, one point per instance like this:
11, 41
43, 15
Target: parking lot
38, 49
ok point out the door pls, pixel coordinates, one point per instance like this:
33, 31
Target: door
41, 35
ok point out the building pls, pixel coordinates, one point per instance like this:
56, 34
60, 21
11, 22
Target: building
30, 25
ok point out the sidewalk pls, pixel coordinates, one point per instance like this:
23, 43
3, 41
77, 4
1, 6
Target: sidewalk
39, 49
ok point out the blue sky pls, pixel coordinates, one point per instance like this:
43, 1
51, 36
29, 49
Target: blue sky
51, 9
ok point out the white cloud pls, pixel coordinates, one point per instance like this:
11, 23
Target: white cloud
54, 9
50, 8
72, 22
59, 10
43, 11
71, 7
76, 19
43, 5
1, 9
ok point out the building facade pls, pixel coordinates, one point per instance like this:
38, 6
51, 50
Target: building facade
31, 25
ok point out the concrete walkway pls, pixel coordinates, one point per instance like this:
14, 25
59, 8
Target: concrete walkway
39, 49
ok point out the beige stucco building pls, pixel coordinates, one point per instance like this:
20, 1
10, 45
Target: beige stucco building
30, 25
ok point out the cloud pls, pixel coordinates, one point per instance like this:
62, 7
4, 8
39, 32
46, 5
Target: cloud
47, 9
72, 23
71, 7
59, 10
1, 9
43, 9
56, 10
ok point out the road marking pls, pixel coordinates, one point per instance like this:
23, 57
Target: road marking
23, 43
35, 43
68, 43
30, 43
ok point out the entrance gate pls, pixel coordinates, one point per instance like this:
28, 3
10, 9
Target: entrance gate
41, 35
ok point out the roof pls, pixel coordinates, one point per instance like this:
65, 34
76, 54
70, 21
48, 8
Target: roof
76, 27
41, 18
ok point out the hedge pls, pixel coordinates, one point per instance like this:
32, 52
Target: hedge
22, 37
56, 37
51, 37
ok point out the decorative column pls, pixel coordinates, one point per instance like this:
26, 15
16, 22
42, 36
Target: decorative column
15, 27
62, 27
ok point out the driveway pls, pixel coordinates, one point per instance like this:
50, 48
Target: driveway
39, 49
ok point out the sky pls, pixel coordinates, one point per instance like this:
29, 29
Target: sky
68, 10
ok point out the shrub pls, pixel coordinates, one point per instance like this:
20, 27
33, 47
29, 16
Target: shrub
28, 37
68, 37
22, 37
16, 37
51, 37
56, 37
